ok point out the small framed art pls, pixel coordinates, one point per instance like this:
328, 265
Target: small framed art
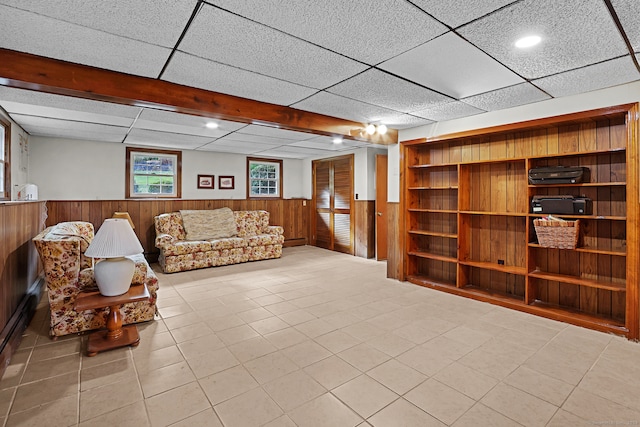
226, 183
206, 181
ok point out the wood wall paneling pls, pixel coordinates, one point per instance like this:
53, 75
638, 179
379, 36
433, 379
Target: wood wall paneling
395, 250
291, 214
20, 288
365, 238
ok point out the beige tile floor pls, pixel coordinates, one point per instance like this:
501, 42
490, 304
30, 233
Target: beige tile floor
318, 338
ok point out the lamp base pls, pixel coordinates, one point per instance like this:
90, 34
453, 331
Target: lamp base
113, 276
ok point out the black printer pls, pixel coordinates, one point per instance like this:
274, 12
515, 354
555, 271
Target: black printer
568, 205
559, 175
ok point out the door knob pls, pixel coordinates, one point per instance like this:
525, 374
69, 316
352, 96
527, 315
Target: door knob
379, 213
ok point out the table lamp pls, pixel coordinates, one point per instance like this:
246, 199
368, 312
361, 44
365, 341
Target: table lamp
124, 215
114, 240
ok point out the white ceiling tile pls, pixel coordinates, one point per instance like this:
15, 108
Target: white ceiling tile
379, 88
229, 39
243, 144
327, 146
229, 149
197, 72
302, 154
40, 126
339, 106
165, 139
274, 132
406, 121
586, 79
452, 66
167, 121
40, 35
450, 111
574, 34
457, 12
255, 139
157, 22
21, 98
62, 114
368, 31
507, 97
629, 13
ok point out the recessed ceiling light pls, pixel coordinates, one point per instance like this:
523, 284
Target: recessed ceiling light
528, 41
212, 125
337, 140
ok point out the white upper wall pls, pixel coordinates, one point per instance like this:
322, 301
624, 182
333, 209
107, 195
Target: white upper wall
623, 94
65, 169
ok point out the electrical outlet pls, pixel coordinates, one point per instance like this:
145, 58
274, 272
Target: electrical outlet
500, 262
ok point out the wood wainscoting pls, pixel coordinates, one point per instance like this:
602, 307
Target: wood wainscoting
20, 287
292, 214
395, 254
365, 228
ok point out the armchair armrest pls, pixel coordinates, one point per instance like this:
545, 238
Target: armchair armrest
164, 240
275, 229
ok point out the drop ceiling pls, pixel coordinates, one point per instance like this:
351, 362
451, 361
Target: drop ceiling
398, 62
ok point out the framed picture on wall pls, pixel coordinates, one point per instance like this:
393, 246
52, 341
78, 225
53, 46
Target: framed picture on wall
226, 183
206, 181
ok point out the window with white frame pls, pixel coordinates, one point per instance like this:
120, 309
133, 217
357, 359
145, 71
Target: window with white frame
5, 167
264, 178
153, 173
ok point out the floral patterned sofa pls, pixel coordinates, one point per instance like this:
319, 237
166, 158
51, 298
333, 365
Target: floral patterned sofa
251, 239
67, 272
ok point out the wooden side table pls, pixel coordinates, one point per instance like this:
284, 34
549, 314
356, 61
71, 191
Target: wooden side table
116, 335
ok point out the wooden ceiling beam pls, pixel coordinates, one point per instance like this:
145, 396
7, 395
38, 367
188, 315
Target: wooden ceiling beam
27, 71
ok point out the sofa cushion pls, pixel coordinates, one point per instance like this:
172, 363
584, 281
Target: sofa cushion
228, 243
209, 224
183, 248
251, 223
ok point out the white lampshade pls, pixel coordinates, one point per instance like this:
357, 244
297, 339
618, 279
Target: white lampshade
113, 241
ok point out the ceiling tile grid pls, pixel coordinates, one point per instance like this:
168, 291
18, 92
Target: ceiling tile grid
385, 90
457, 12
44, 36
229, 39
586, 79
158, 22
404, 63
197, 72
365, 30
512, 96
467, 72
350, 109
167, 121
450, 111
574, 34
166, 139
56, 128
628, 12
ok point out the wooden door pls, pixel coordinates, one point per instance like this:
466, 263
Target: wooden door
381, 207
333, 201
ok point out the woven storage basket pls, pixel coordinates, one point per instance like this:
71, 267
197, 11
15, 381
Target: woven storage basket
557, 234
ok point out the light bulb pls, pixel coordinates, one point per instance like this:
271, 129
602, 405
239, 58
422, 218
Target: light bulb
382, 129
370, 129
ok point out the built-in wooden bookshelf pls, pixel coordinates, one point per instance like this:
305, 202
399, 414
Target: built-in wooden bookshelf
468, 223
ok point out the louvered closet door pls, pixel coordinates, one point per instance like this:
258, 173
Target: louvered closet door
333, 190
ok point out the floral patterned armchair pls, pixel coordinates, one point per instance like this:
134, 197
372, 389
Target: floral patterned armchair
67, 271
